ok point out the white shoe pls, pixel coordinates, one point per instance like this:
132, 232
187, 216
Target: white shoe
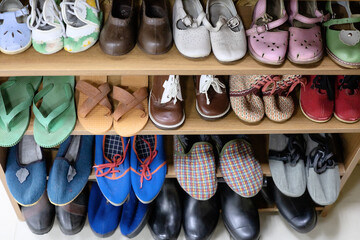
191, 37
227, 33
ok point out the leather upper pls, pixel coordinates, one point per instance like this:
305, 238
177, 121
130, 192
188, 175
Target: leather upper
155, 35
347, 98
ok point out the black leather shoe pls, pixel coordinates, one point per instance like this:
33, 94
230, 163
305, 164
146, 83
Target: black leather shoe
72, 216
40, 217
165, 219
240, 216
200, 217
298, 212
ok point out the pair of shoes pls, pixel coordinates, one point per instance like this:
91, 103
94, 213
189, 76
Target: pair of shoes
311, 162
74, 26
276, 103
121, 165
104, 218
199, 217
94, 111
15, 35
324, 96
268, 41
154, 36
194, 162
26, 170
219, 29
343, 33
55, 118
71, 217
166, 110
299, 212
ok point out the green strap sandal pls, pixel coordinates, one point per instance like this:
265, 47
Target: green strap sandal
343, 33
56, 117
16, 96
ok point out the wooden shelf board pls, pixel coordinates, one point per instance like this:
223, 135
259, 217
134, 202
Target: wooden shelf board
95, 62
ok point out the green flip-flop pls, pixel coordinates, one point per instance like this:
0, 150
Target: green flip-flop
16, 96
55, 118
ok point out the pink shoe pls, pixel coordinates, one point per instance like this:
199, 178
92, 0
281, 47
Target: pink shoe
305, 44
267, 43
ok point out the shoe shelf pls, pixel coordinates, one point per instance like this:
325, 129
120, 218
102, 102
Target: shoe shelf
95, 62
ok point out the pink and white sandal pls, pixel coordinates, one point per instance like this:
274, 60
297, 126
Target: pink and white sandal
267, 42
305, 44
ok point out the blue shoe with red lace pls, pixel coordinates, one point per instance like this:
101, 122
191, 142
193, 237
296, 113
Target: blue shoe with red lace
148, 166
112, 167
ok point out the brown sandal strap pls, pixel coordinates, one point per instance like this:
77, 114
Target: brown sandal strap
128, 101
95, 96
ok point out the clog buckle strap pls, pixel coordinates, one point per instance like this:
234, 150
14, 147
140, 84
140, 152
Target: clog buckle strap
265, 23
191, 22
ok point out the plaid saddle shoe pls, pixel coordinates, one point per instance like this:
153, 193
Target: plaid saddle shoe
241, 171
194, 163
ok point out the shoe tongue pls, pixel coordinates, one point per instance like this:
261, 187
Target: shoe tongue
48, 12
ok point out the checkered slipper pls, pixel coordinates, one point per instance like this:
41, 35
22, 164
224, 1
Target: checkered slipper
245, 102
241, 171
194, 163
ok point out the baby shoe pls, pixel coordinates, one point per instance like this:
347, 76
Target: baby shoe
212, 99
15, 34
279, 106
191, 37
343, 33
148, 166
317, 98
267, 42
47, 27
227, 33
347, 98
83, 19
244, 97
305, 44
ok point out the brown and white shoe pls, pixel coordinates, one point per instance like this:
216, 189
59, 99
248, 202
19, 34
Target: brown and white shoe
245, 99
165, 108
212, 99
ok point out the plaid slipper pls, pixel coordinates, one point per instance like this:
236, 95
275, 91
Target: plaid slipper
194, 163
241, 171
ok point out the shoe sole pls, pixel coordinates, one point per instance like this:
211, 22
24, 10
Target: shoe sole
341, 62
314, 60
162, 126
344, 121
23, 49
308, 117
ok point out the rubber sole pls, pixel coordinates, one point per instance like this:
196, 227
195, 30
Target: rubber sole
23, 49
317, 121
341, 62
344, 121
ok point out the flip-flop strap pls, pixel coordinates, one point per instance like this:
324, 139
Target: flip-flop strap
24, 105
128, 101
341, 21
47, 120
95, 96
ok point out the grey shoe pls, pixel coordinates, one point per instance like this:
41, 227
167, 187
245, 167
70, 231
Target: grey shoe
323, 176
287, 163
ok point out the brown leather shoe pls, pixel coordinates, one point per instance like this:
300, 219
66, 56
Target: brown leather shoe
118, 35
212, 100
155, 35
165, 111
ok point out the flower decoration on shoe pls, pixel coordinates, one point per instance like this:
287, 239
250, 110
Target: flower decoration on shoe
112, 167
148, 166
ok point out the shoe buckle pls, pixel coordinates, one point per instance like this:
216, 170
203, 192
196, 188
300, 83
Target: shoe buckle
233, 22
187, 21
258, 31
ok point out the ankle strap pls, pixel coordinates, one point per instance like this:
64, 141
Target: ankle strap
256, 29
341, 21
319, 19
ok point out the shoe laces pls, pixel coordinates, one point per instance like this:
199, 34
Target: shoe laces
117, 160
324, 83
288, 85
172, 90
145, 172
350, 84
296, 150
40, 21
320, 158
81, 6
207, 81
267, 84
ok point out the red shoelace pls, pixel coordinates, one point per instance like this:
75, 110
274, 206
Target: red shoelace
144, 167
267, 83
289, 85
117, 160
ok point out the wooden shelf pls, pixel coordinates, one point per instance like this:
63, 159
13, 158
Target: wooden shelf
95, 62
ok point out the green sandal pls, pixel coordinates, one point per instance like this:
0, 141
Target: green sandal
16, 96
56, 117
343, 33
